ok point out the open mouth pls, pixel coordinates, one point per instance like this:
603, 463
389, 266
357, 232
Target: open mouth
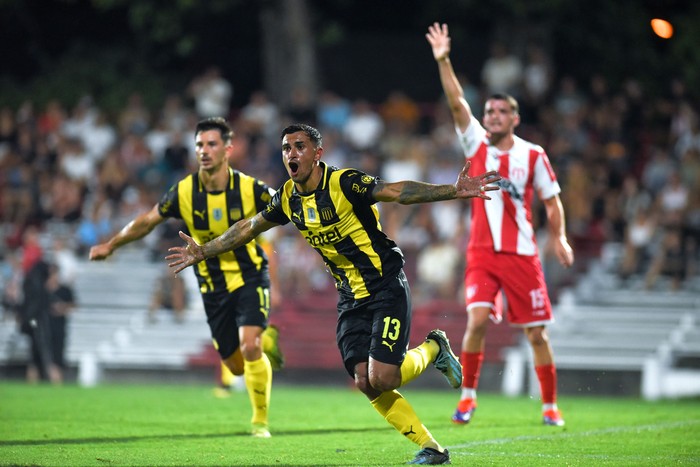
293, 167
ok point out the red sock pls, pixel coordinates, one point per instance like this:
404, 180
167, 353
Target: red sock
547, 375
471, 368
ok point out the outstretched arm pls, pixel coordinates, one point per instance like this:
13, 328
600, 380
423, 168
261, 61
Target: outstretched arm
440, 41
235, 236
412, 192
134, 230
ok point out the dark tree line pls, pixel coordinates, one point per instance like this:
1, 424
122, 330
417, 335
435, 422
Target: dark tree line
108, 47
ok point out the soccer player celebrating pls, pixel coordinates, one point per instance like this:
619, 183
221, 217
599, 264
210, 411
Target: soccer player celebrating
235, 285
334, 209
502, 253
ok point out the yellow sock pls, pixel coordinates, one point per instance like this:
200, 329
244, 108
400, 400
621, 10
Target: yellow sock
398, 412
417, 360
258, 381
266, 341
226, 376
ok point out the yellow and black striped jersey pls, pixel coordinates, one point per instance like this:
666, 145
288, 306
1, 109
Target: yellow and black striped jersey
341, 222
208, 215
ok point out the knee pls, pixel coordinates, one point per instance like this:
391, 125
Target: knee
537, 336
251, 350
382, 384
384, 381
362, 383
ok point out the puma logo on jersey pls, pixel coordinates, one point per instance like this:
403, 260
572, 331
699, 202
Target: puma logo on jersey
296, 216
200, 214
391, 346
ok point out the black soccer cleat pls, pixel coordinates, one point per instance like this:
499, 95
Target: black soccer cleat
430, 456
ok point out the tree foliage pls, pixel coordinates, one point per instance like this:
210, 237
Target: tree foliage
49, 42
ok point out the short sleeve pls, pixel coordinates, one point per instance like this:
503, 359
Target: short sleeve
168, 205
273, 212
358, 186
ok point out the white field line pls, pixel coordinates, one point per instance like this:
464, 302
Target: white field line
459, 448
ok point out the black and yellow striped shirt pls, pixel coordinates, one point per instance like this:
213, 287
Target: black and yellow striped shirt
208, 215
341, 222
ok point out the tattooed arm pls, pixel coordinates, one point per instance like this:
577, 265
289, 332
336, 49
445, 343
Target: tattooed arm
235, 236
412, 192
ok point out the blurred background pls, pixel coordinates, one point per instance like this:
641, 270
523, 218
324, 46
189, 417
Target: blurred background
98, 102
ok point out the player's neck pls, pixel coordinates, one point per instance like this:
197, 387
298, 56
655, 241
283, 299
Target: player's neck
215, 180
312, 182
503, 142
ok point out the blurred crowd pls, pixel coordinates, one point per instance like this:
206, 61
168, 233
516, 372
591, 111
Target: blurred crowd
628, 163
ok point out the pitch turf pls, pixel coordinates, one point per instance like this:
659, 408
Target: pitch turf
168, 425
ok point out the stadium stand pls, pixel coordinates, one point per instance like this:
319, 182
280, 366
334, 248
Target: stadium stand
606, 326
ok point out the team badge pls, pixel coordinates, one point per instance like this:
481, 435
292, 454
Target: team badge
326, 214
234, 214
366, 179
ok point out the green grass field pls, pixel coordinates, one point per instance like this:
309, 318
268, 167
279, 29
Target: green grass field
168, 425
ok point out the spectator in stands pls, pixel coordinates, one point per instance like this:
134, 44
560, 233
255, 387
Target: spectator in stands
502, 71
135, 117
169, 293
502, 236
259, 117
34, 316
670, 260
638, 239
235, 286
333, 112
62, 304
399, 110
334, 209
301, 107
364, 127
212, 93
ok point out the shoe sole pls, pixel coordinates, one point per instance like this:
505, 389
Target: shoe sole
460, 421
454, 367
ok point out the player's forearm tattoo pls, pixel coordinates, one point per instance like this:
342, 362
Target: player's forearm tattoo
419, 192
231, 239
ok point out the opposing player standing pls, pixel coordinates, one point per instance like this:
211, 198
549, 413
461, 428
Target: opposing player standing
502, 253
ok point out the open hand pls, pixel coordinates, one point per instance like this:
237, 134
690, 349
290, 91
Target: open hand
476, 187
184, 256
439, 39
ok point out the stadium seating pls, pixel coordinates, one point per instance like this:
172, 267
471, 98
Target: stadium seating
604, 326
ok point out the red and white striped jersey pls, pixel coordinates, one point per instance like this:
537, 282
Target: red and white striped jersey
504, 223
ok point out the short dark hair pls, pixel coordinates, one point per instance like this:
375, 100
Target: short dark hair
501, 96
215, 123
313, 134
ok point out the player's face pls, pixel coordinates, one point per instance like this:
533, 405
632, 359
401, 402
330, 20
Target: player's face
499, 117
211, 150
300, 157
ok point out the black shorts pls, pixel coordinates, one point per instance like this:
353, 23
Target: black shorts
227, 311
378, 326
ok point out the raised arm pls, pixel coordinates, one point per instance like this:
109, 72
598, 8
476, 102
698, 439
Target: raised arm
440, 41
235, 236
134, 230
412, 192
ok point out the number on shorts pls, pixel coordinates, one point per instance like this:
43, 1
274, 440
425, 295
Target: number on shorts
395, 326
264, 296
